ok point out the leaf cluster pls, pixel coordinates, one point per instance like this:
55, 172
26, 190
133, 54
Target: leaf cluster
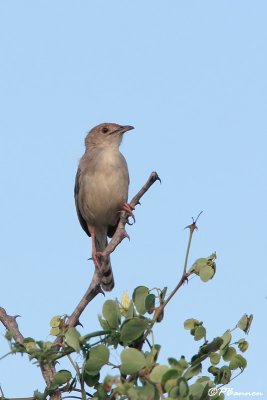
127, 334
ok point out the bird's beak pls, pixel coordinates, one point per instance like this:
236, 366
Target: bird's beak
126, 128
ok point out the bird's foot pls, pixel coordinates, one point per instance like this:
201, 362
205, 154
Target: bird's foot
98, 257
128, 208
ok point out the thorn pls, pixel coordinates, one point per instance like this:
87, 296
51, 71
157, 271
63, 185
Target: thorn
193, 225
138, 203
16, 316
155, 176
195, 221
79, 324
99, 290
125, 235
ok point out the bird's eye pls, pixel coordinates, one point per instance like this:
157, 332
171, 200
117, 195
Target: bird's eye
105, 129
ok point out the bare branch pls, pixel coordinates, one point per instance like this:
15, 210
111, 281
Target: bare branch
48, 370
11, 325
184, 278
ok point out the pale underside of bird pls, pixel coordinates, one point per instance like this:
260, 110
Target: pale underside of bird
101, 191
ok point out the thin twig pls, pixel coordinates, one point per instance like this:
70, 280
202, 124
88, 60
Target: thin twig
192, 227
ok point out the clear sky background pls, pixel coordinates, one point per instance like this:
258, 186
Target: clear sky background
191, 76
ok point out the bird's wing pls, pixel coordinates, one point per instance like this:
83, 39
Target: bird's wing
76, 194
112, 229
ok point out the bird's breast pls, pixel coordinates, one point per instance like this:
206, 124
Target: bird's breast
105, 188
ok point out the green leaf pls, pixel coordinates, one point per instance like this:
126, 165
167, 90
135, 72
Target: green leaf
245, 322
238, 362
157, 373
170, 374
215, 358
72, 338
191, 323
212, 346
111, 313
133, 329
29, 344
192, 371
225, 375
242, 323
8, 335
55, 321
204, 379
39, 396
174, 392
130, 312
226, 339
214, 370
150, 303
98, 356
163, 294
198, 264
28, 340
62, 377
55, 331
228, 353
196, 390
200, 267
91, 380
133, 394
101, 393
183, 387
132, 360
139, 296
47, 345
206, 273
170, 384
151, 357
146, 392
103, 323
200, 332
243, 345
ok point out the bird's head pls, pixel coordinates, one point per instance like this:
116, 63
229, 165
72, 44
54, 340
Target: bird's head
107, 134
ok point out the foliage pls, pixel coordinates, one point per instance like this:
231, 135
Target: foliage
128, 328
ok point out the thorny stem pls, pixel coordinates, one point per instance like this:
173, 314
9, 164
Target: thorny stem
192, 227
48, 371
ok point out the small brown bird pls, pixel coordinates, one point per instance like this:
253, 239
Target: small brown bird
101, 191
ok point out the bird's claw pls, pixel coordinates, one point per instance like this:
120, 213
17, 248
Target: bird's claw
128, 208
97, 258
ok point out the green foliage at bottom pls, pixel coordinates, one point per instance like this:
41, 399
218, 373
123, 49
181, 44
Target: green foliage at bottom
128, 331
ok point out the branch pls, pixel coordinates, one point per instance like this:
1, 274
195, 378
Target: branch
192, 227
120, 234
11, 325
184, 278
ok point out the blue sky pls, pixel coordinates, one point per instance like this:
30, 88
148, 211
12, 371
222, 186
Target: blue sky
191, 77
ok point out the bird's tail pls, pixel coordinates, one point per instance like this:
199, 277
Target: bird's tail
107, 283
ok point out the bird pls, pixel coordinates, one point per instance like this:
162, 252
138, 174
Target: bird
101, 191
